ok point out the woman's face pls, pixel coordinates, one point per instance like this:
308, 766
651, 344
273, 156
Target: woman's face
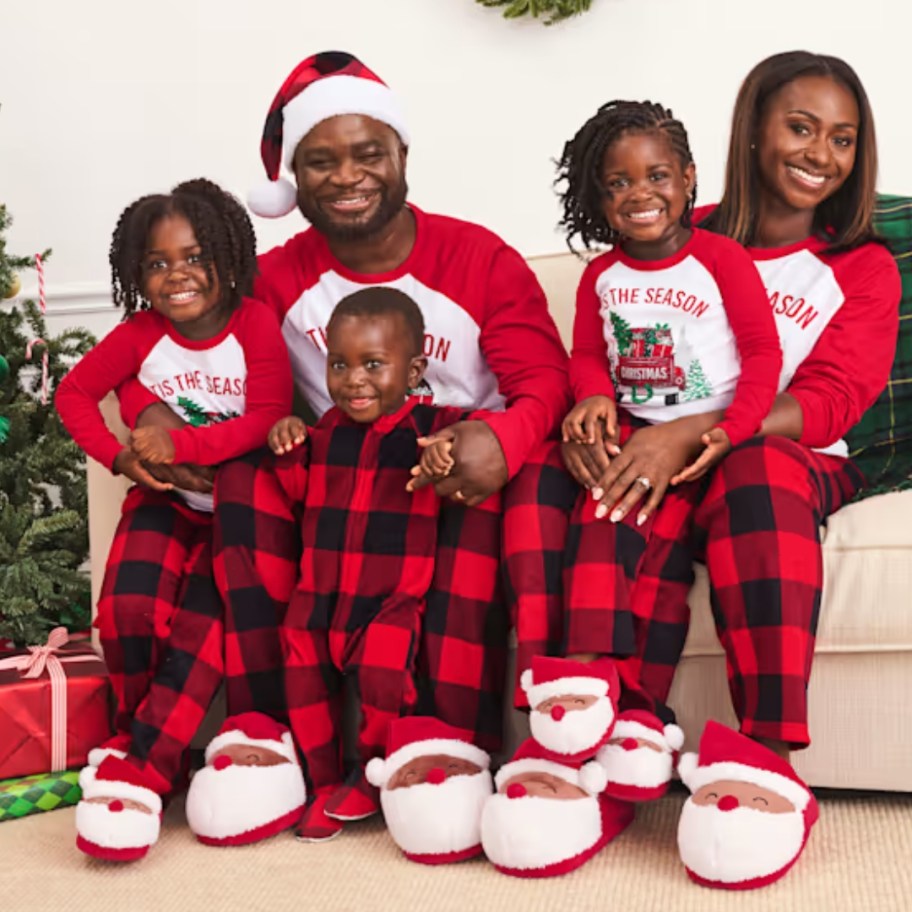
806, 141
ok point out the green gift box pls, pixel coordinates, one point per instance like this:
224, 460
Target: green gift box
34, 794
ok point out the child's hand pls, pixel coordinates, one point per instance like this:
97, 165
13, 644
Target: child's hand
127, 463
152, 444
435, 462
717, 444
286, 434
592, 419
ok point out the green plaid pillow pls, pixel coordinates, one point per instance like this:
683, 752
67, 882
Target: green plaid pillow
881, 443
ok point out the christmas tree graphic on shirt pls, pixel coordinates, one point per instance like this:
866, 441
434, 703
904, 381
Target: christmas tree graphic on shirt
646, 364
196, 416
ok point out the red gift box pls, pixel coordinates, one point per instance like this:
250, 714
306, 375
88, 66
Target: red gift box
54, 706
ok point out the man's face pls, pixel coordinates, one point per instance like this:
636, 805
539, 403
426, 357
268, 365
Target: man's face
350, 172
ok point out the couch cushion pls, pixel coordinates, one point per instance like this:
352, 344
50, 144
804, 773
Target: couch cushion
881, 443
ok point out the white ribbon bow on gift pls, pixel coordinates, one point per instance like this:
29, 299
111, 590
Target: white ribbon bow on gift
33, 665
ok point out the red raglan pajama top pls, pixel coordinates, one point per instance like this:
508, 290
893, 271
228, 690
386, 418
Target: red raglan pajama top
159, 615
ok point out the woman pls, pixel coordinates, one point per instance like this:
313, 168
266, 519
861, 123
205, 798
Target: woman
799, 194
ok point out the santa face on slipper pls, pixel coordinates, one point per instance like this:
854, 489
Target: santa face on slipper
548, 818
251, 787
749, 816
640, 756
118, 818
572, 705
433, 785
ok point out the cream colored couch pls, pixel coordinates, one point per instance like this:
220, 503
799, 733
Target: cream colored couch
861, 685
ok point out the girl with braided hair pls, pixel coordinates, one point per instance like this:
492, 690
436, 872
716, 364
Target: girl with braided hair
672, 327
182, 266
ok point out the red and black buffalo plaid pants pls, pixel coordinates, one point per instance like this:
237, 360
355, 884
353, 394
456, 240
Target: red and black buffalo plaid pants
161, 629
461, 656
755, 522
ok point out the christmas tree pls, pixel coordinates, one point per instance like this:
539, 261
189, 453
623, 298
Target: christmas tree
622, 332
698, 387
43, 503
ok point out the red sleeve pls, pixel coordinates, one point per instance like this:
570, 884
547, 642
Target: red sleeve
754, 328
589, 370
278, 283
134, 399
850, 364
268, 396
115, 358
523, 349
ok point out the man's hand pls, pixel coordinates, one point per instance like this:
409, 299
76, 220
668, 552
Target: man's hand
127, 463
152, 445
188, 476
286, 434
479, 467
717, 445
591, 419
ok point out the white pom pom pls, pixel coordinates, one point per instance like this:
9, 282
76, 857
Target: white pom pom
87, 777
674, 737
525, 679
687, 766
375, 771
593, 778
273, 199
98, 754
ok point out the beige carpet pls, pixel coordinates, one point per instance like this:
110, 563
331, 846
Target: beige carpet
859, 858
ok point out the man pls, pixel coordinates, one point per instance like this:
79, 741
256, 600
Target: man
490, 343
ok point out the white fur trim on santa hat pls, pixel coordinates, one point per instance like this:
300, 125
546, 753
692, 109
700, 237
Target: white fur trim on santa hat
93, 787
333, 96
284, 748
588, 778
562, 687
97, 754
695, 777
379, 772
670, 738
273, 199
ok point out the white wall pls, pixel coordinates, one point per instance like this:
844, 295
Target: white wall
103, 101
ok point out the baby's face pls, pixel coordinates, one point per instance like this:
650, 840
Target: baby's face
369, 365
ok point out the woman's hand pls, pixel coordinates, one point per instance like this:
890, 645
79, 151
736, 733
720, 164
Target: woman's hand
717, 443
153, 445
479, 467
588, 462
645, 466
286, 434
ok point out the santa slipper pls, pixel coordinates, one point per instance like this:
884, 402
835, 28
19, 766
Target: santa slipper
749, 817
640, 756
572, 705
116, 746
119, 817
251, 787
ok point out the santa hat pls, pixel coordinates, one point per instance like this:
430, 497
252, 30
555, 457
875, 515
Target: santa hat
552, 677
726, 754
643, 725
531, 757
419, 736
111, 830
255, 730
322, 86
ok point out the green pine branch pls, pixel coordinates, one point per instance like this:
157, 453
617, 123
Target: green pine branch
551, 11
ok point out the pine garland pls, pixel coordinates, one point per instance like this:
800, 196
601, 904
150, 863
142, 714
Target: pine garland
552, 10
43, 498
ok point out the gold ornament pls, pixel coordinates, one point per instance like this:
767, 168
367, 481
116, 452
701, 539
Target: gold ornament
14, 288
